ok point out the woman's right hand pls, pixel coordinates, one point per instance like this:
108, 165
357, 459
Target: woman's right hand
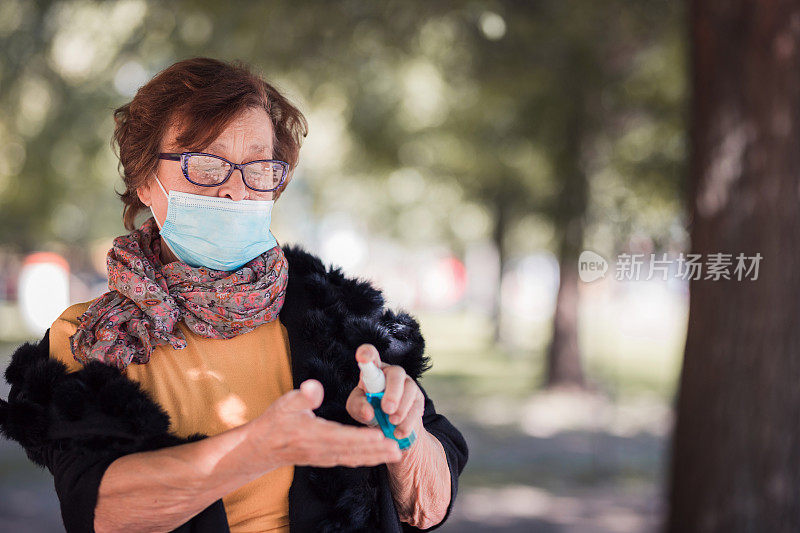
288, 432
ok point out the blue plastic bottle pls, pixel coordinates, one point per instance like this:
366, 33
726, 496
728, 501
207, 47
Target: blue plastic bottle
375, 383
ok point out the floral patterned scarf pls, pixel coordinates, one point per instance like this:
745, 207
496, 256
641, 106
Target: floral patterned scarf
147, 299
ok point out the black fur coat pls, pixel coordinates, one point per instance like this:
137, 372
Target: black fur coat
76, 424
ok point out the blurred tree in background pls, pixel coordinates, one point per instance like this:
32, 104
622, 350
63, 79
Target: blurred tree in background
551, 124
735, 456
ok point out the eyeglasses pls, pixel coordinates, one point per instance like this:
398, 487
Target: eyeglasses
209, 170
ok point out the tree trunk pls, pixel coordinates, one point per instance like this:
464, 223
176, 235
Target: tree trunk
498, 238
564, 367
736, 450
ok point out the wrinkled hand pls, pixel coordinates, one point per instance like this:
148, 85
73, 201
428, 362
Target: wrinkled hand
402, 400
289, 432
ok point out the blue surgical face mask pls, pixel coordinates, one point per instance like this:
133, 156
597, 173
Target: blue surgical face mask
217, 233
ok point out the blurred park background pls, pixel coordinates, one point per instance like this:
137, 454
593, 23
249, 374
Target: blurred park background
461, 154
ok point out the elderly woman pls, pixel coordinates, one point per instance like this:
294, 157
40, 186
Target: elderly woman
216, 386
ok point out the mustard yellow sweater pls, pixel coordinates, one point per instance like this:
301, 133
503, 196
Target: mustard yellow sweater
209, 387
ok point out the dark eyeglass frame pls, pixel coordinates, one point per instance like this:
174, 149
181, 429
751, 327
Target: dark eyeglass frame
183, 157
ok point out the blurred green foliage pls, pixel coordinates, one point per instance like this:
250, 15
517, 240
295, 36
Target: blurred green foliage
432, 121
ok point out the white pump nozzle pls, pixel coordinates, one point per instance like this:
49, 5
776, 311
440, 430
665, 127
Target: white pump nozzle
374, 380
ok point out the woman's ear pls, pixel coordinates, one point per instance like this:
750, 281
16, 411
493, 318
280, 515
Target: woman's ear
144, 192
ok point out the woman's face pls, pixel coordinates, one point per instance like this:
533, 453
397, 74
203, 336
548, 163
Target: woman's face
247, 138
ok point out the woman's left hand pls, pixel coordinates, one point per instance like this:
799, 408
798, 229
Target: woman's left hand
420, 480
402, 401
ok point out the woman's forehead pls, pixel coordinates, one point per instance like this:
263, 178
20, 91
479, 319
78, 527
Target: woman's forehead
253, 127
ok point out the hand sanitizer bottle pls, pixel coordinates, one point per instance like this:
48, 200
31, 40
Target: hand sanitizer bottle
375, 383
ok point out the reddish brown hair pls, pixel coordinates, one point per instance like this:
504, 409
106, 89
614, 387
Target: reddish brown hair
203, 95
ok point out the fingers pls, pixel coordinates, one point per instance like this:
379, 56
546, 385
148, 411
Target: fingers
298, 436
410, 394
308, 396
334, 432
414, 416
313, 390
366, 353
400, 394
388, 453
340, 444
358, 407
384, 452
395, 385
